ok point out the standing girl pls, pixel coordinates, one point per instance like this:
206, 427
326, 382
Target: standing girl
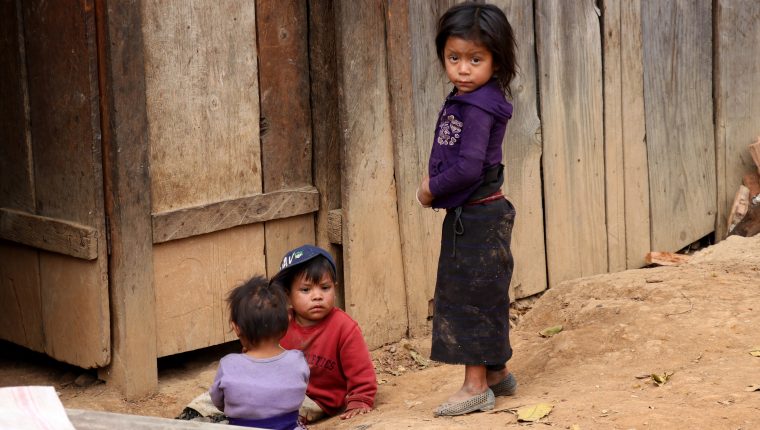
265, 385
476, 46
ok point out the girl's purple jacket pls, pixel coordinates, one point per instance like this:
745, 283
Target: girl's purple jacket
468, 140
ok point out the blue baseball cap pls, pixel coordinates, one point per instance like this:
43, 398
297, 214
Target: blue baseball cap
303, 254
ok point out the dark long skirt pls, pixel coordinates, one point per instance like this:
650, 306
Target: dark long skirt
471, 314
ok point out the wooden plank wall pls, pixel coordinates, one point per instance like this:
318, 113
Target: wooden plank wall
57, 169
679, 120
204, 141
626, 168
417, 89
737, 97
523, 148
281, 29
570, 82
373, 266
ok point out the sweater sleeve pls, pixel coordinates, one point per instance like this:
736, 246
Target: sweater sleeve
216, 392
360, 373
476, 129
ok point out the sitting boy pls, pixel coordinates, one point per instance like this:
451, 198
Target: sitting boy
342, 375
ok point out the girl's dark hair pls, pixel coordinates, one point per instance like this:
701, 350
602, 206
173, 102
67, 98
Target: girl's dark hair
260, 311
485, 24
312, 269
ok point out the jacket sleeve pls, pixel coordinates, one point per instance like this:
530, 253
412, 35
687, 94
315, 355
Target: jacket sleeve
473, 143
360, 373
216, 392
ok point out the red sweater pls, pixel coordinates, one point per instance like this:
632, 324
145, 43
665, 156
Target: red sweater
342, 374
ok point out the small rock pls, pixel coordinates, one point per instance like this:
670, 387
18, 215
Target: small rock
392, 349
85, 380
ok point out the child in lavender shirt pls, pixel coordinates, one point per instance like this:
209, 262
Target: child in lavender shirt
265, 385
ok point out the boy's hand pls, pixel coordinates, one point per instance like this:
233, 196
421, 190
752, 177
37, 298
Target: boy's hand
354, 412
424, 196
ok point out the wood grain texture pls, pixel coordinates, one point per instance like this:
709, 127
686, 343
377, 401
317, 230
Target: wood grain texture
182, 223
60, 46
20, 300
128, 200
522, 159
373, 265
737, 97
626, 168
570, 79
325, 135
97, 420
679, 127
202, 101
50, 234
286, 152
335, 226
417, 88
193, 277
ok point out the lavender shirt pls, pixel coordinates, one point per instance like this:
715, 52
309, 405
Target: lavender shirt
468, 140
254, 388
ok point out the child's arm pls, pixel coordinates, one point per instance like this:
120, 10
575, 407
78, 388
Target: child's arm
360, 374
476, 131
216, 392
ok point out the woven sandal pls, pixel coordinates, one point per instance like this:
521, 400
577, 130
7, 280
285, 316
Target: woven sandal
506, 387
481, 402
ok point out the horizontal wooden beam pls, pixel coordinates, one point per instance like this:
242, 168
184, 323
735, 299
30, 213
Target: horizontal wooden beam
188, 222
50, 234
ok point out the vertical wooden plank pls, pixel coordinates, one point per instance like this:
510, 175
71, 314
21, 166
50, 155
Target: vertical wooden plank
324, 115
20, 301
416, 88
373, 265
281, 29
65, 129
522, 158
204, 146
737, 97
635, 162
679, 126
128, 199
626, 171
570, 79
193, 278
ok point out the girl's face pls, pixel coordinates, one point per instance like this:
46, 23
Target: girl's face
312, 301
469, 65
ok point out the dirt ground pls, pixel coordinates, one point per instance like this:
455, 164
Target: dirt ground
698, 321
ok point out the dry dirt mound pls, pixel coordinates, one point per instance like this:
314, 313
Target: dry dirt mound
698, 321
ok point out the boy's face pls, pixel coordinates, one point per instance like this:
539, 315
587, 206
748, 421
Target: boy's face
312, 301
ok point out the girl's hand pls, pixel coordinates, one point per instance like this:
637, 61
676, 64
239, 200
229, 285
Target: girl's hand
424, 196
354, 412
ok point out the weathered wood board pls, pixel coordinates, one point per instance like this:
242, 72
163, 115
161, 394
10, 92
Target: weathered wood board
626, 168
281, 29
373, 268
204, 143
327, 150
60, 45
193, 277
570, 78
522, 159
417, 88
679, 120
737, 97
126, 152
50, 234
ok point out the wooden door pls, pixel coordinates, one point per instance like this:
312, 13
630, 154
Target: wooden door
53, 252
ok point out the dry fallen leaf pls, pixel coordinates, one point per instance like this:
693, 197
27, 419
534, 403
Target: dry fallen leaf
533, 413
755, 352
422, 361
661, 379
550, 331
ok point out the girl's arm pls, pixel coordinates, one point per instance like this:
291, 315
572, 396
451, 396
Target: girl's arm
216, 392
473, 141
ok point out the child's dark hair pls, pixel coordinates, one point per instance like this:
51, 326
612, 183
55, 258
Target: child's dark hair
312, 270
485, 24
259, 311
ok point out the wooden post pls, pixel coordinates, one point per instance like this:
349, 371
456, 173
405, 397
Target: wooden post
128, 198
